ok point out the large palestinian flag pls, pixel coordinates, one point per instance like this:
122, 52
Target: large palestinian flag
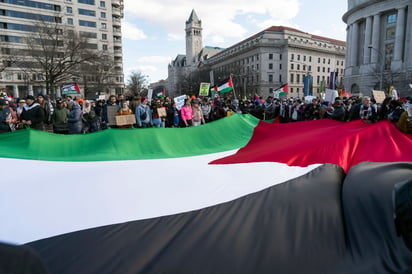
236, 195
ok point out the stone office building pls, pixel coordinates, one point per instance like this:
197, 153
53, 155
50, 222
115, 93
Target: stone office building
280, 55
98, 20
379, 45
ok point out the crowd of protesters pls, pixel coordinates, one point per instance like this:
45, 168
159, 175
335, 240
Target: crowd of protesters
76, 116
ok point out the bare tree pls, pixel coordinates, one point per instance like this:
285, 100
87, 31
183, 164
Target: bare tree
97, 77
57, 53
136, 82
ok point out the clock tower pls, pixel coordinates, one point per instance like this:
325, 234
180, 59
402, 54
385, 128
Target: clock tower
193, 38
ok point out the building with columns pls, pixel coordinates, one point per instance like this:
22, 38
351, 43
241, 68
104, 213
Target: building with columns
261, 63
276, 56
379, 46
98, 20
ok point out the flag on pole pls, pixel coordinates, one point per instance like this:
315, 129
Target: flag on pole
225, 87
161, 94
322, 86
307, 85
283, 90
333, 79
71, 89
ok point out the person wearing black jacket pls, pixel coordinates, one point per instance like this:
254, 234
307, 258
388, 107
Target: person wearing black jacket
33, 114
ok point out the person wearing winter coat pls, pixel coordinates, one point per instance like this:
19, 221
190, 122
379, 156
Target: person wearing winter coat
143, 114
187, 113
74, 118
59, 118
32, 114
5, 116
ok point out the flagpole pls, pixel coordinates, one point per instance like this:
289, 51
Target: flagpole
234, 93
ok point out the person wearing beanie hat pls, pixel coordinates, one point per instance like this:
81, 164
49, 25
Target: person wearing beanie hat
32, 114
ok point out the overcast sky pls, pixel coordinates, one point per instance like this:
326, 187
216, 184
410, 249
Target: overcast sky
153, 30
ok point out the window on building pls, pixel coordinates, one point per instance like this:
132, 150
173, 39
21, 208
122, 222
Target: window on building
318, 79
328, 70
391, 18
318, 69
280, 56
328, 61
390, 33
323, 69
280, 66
270, 56
310, 68
324, 60
291, 90
291, 66
85, 23
270, 78
292, 56
87, 12
389, 50
69, 21
104, 26
304, 58
310, 58
337, 63
87, 2
102, 4
291, 78
280, 78
69, 9
270, 66
297, 78
257, 57
102, 14
319, 60
298, 67
104, 36
104, 47
298, 57
257, 67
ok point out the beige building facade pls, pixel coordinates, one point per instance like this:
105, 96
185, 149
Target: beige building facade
280, 55
99, 20
379, 46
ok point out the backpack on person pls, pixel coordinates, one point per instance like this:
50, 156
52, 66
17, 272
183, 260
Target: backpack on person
143, 114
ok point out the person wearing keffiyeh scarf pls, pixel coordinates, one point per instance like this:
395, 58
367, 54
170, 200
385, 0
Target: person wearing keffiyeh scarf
367, 113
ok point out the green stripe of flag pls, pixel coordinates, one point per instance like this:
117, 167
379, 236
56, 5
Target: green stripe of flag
130, 144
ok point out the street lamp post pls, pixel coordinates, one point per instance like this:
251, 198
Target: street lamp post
381, 63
